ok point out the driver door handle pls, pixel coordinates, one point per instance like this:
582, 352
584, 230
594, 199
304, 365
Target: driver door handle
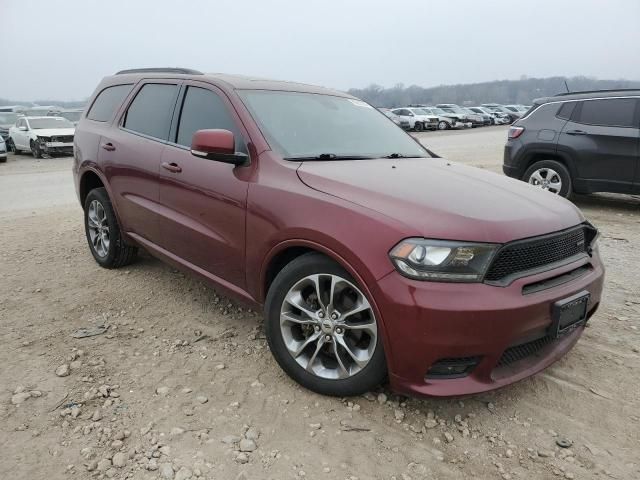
172, 167
577, 132
108, 147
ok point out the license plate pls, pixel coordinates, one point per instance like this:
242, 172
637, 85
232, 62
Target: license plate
569, 313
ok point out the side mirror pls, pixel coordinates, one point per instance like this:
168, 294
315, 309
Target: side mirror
22, 128
411, 115
219, 145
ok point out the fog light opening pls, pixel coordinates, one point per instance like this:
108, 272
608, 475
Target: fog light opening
452, 367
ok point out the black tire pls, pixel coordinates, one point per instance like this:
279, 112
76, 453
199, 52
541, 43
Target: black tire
442, 125
371, 375
119, 253
36, 151
3, 159
567, 187
418, 127
12, 147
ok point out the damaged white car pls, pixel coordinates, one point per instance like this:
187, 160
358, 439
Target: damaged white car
42, 135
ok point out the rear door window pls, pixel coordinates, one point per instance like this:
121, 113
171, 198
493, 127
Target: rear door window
107, 102
151, 111
610, 112
203, 109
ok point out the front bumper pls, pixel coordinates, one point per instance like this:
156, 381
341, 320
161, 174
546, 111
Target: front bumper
426, 322
58, 148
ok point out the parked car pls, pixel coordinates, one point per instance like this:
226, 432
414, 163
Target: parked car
418, 119
401, 122
494, 107
3, 150
579, 142
447, 120
495, 118
479, 119
358, 244
42, 135
40, 110
12, 108
472, 119
7, 120
73, 115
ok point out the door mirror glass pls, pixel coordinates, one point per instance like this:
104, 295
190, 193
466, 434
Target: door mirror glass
217, 145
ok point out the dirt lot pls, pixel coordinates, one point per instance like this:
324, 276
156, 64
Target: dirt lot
182, 379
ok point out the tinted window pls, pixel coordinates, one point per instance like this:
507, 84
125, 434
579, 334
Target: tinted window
565, 110
150, 112
202, 109
107, 102
617, 112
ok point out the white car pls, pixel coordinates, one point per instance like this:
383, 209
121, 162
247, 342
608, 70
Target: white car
3, 151
447, 120
419, 120
42, 135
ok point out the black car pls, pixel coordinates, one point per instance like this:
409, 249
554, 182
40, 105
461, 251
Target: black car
579, 142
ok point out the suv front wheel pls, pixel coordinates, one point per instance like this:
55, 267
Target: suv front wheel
549, 175
103, 232
322, 330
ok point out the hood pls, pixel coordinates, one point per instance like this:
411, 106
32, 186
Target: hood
444, 200
54, 132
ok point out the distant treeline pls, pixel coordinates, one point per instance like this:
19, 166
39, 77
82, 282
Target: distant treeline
75, 104
505, 92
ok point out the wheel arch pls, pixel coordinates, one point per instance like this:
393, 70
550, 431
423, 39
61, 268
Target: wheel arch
560, 157
89, 181
289, 250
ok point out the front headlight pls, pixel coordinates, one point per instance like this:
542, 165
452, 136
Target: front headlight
442, 260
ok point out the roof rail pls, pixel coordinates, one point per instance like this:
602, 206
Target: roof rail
184, 71
604, 90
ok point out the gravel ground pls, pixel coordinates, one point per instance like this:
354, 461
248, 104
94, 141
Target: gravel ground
182, 385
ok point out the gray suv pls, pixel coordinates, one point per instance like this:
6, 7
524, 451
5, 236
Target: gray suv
579, 142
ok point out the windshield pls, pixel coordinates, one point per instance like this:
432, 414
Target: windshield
453, 109
8, 118
310, 125
421, 111
71, 116
438, 111
52, 122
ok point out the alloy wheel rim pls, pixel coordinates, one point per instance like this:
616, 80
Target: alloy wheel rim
547, 179
328, 326
98, 228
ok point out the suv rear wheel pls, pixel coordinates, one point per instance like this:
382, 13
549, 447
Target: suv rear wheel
103, 232
322, 329
549, 175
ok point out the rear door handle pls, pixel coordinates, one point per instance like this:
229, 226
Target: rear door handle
577, 132
108, 147
172, 167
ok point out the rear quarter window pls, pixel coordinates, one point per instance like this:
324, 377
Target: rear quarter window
107, 102
565, 110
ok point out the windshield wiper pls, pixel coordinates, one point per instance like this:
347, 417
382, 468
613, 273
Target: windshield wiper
399, 155
329, 156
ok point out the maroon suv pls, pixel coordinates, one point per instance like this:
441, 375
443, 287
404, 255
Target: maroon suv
372, 257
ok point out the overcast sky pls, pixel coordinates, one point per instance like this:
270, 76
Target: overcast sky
61, 49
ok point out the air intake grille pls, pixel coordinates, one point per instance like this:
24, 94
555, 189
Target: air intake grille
513, 354
536, 252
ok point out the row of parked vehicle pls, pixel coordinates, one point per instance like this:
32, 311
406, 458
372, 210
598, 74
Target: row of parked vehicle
39, 130
446, 116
